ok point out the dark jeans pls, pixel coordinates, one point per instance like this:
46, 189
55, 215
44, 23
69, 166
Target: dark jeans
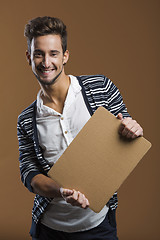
105, 231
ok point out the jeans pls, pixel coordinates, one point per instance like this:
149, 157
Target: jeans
105, 231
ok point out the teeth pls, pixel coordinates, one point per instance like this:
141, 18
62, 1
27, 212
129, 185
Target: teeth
46, 71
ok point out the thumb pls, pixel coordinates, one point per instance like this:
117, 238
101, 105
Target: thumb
120, 116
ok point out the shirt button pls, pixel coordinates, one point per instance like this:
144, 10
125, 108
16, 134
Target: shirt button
66, 132
62, 118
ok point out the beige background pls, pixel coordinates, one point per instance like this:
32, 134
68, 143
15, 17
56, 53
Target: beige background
117, 38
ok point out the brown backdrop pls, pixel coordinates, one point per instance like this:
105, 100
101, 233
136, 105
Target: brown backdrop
117, 38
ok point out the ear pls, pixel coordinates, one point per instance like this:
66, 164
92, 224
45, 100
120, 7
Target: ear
28, 56
65, 57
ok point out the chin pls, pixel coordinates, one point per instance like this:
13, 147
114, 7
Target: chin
49, 81
46, 82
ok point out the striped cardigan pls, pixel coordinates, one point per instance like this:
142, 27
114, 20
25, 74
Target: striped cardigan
97, 91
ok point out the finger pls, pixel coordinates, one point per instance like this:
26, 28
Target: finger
66, 192
132, 129
78, 199
124, 132
86, 203
75, 195
73, 198
120, 116
138, 133
129, 134
83, 201
129, 130
136, 129
124, 124
121, 127
125, 127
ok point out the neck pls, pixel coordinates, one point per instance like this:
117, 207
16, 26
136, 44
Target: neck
57, 92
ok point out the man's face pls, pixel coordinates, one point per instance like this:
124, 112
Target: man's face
47, 58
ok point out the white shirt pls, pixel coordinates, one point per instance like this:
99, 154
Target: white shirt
55, 132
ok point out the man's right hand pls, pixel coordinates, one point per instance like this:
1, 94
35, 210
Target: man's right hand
75, 198
46, 187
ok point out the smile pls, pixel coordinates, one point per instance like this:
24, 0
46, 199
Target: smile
46, 71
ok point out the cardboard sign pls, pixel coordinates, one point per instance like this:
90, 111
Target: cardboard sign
98, 160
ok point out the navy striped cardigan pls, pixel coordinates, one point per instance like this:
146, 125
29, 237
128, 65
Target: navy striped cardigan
97, 91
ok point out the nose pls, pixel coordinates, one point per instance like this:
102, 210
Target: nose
46, 62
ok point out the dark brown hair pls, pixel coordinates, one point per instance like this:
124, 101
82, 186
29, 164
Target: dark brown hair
41, 26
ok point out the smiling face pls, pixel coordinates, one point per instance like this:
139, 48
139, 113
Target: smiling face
47, 58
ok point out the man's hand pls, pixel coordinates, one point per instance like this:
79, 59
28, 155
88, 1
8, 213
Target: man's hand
129, 128
75, 198
46, 187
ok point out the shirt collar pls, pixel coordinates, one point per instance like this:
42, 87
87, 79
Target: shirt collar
75, 84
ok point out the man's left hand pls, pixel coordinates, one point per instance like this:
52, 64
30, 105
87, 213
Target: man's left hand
129, 128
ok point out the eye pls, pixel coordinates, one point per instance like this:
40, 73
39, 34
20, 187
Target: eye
37, 54
53, 54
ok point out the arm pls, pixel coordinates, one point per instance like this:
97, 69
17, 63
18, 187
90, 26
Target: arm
29, 166
34, 177
129, 128
113, 99
46, 187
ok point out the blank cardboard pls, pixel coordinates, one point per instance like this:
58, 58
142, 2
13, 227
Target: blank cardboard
98, 160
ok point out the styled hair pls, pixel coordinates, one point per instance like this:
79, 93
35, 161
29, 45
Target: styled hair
42, 26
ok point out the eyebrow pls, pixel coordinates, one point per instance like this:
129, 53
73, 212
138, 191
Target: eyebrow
38, 50
52, 51
55, 51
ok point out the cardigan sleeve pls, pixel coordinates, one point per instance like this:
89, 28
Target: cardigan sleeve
29, 166
114, 99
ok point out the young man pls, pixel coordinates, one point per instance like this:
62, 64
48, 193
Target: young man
47, 127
